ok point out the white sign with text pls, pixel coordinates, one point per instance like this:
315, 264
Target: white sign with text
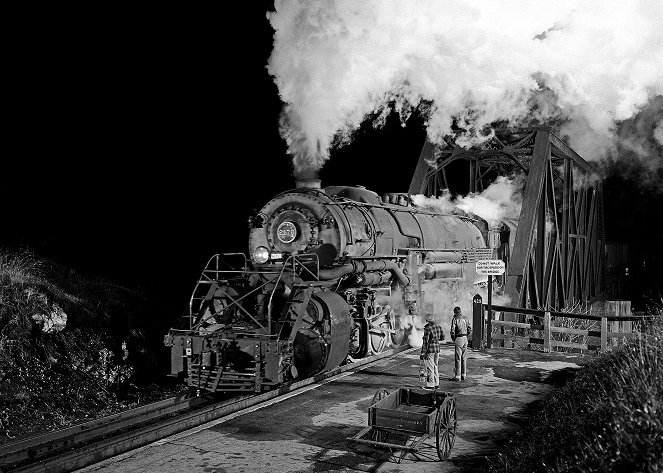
491, 267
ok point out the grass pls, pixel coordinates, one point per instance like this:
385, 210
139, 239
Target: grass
608, 418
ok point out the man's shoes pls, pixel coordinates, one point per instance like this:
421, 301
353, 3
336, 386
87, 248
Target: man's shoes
462, 378
454, 379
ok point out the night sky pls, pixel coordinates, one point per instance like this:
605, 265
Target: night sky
139, 142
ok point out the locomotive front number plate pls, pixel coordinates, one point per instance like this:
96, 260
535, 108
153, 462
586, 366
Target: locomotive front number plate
287, 232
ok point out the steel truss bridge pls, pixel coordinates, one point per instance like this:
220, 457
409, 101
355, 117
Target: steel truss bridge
557, 259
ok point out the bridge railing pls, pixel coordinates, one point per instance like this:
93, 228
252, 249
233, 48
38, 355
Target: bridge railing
545, 330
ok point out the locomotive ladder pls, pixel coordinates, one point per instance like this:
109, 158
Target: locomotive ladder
291, 317
294, 311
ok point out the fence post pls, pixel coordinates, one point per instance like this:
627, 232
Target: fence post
477, 321
489, 330
546, 332
604, 333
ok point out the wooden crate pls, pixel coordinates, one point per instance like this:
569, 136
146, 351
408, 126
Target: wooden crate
407, 410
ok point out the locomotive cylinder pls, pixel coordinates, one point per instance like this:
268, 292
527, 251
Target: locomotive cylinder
443, 257
442, 271
374, 278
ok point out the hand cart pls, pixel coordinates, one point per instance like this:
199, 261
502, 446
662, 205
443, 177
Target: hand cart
412, 415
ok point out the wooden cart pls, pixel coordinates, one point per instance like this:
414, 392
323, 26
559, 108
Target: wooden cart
412, 416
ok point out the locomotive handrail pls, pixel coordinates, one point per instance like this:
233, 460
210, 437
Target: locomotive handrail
467, 250
396, 207
295, 259
230, 271
236, 302
348, 226
214, 258
180, 331
373, 230
467, 253
244, 310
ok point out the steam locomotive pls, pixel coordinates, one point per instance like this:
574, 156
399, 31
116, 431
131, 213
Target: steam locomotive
334, 273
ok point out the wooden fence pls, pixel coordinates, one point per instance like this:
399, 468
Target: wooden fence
544, 331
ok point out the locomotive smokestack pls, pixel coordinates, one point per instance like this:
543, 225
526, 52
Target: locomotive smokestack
310, 182
307, 177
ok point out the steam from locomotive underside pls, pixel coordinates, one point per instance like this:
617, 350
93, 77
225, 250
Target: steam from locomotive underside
440, 297
585, 65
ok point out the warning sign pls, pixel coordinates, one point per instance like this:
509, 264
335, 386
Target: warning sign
491, 267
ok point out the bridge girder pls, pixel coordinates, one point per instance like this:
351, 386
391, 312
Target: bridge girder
557, 259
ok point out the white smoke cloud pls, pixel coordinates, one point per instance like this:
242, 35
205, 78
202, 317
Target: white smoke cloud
587, 64
439, 298
500, 200
442, 204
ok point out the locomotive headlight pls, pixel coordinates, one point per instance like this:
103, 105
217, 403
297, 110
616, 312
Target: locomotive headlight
260, 255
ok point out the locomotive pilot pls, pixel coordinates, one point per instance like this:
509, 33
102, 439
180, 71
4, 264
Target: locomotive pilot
430, 351
460, 331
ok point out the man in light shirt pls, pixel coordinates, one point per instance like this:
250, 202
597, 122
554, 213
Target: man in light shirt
460, 332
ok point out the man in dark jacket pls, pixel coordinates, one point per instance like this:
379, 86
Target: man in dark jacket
460, 332
430, 351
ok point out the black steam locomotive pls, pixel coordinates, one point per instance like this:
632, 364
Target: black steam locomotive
333, 273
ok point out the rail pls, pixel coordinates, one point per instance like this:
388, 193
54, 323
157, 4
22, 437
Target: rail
91, 442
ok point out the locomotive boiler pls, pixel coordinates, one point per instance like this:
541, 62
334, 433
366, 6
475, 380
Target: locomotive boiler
319, 285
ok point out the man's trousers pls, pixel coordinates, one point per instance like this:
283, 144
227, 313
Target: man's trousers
460, 357
432, 374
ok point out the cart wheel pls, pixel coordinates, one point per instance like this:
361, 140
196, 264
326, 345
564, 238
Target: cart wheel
380, 395
378, 435
445, 431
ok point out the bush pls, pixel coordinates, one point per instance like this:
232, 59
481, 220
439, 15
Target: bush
50, 379
608, 418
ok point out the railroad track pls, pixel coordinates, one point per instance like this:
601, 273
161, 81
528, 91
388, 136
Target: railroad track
91, 442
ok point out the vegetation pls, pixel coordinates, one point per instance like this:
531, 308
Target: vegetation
608, 418
70, 346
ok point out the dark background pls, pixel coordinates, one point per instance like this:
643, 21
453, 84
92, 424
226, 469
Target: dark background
139, 142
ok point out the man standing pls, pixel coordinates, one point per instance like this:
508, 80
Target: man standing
460, 331
430, 351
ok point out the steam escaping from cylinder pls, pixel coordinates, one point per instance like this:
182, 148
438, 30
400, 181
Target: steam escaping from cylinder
440, 298
583, 66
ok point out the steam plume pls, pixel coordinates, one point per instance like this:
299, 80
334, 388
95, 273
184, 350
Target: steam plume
585, 66
502, 199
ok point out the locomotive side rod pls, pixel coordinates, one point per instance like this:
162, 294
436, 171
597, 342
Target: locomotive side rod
131, 437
